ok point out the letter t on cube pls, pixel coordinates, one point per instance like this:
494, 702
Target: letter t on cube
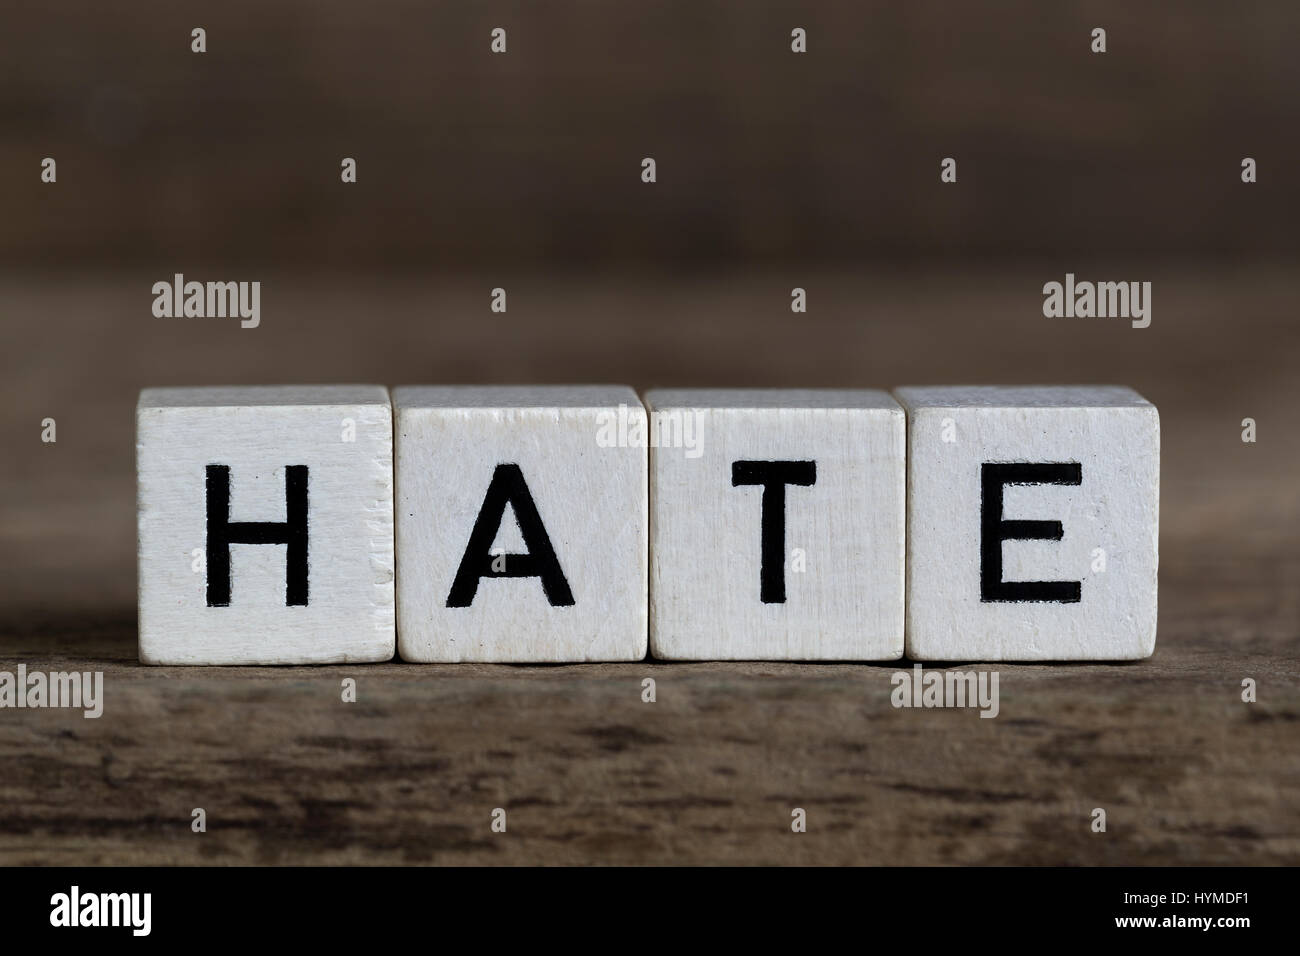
777, 524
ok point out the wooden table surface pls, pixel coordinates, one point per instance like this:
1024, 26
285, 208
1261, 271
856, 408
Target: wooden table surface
709, 773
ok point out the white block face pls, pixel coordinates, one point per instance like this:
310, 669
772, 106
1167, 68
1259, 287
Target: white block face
265, 525
776, 525
1033, 518
522, 522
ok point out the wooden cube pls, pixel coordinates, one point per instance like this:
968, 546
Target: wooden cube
265, 525
522, 521
1033, 518
777, 522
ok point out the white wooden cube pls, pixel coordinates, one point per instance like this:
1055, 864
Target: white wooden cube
265, 525
522, 522
777, 521
1033, 518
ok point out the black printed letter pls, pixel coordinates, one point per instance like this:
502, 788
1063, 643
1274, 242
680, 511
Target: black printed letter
222, 533
508, 488
993, 530
773, 476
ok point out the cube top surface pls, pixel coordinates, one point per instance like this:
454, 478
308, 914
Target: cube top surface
915, 397
743, 399
262, 396
513, 396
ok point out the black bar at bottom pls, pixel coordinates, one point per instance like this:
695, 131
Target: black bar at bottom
652, 906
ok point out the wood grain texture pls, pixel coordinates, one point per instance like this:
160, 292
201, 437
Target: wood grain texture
708, 773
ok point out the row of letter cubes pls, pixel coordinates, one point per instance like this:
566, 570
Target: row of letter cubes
326, 524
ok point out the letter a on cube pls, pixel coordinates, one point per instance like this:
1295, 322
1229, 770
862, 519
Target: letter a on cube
1033, 522
522, 518
265, 525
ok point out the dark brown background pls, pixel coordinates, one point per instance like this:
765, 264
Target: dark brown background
775, 170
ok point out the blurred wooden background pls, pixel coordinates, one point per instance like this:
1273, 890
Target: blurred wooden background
231, 158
